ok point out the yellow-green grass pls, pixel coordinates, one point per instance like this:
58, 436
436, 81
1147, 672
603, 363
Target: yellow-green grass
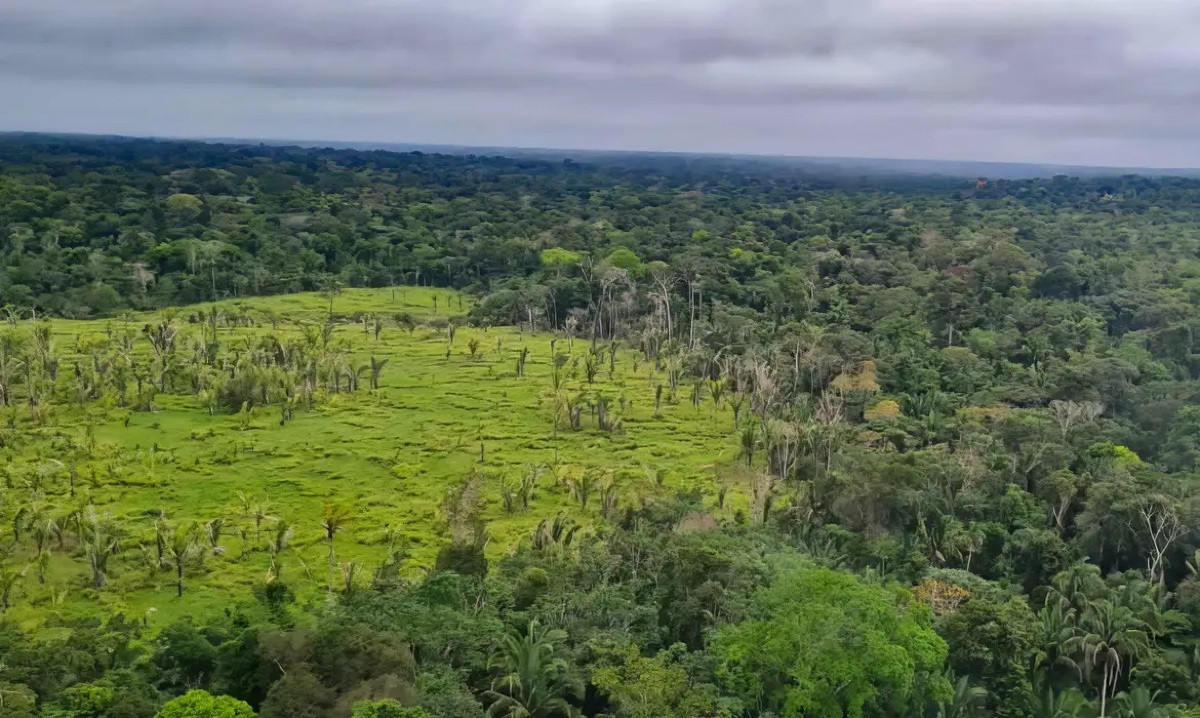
390, 455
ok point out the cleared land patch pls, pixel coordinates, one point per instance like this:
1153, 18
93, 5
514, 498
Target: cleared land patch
445, 409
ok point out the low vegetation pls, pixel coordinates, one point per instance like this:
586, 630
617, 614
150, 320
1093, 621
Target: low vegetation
205, 448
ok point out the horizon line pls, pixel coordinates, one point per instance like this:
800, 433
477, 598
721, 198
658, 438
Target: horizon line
384, 145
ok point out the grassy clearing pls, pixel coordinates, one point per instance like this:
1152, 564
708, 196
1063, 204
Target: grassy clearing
391, 455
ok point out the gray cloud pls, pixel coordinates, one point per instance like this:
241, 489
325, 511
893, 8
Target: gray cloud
1088, 81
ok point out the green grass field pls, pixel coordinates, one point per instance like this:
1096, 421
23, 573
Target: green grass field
390, 455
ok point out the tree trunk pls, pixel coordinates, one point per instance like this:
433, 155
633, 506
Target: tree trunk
1104, 693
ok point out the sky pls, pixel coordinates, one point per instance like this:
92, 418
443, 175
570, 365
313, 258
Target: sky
1097, 82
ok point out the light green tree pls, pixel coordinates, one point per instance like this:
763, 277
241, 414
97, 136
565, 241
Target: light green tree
202, 704
824, 644
652, 687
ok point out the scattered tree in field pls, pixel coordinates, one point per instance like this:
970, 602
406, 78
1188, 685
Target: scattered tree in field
183, 550
101, 539
10, 580
334, 517
280, 542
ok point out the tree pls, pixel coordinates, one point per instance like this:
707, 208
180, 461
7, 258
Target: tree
101, 539
281, 540
184, 657
298, 694
1070, 413
17, 701
10, 578
348, 655
183, 550
184, 207
377, 366
386, 709
333, 520
991, 641
1048, 703
259, 512
623, 258
965, 701
654, 687
1110, 637
819, 643
533, 679
558, 258
1139, 703
1162, 527
202, 704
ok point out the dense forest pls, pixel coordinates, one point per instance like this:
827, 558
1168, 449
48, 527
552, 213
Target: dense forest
966, 411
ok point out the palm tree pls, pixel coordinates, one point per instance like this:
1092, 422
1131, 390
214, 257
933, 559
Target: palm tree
533, 684
209, 252
559, 532
280, 540
1054, 660
1111, 636
1076, 587
12, 364
42, 530
43, 565
581, 487
377, 366
1150, 602
333, 520
1044, 702
212, 531
19, 521
182, 550
965, 701
162, 530
749, 438
9, 579
259, 513
101, 539
331, 288
1139, 703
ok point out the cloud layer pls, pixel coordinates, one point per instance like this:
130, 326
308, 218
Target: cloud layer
1095, 81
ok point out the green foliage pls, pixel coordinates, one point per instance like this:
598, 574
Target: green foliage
532, 679
655, 687
298, 694
624, 258
385, 709
992, 642
17, 700
822, 643
202, 704
559, 258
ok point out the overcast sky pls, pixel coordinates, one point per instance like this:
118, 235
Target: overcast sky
1114, 82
